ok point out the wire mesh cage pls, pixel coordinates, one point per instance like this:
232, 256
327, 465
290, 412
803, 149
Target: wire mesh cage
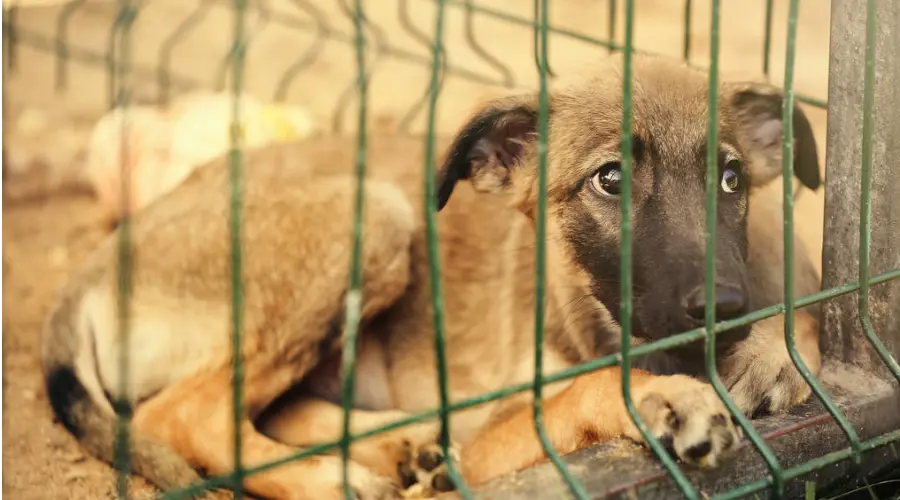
860, 320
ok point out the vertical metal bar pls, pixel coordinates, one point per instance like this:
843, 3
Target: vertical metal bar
4, 167
611, 26
865, 223
686, 51
475, 45
119, 67
712, 193
354, 294
437, 293
767, 41
62, 42
309, 56
234, 167
787, 159
857, 40
380, 46
712, 189
407, 24
626, 305
164, 69
540, 40
10, 36
540, 56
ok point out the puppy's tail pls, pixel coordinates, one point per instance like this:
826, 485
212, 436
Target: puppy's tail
75, 402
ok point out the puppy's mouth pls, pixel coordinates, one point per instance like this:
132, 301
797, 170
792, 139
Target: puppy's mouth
651, 323
687, 357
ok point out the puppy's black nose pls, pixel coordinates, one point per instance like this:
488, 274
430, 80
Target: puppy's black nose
730, 303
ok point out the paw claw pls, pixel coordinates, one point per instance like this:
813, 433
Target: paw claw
441, 482
673, 421
697, 452
763, 408
423, 473
407, 475
429, 459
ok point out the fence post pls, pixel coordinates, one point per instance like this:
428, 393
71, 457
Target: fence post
843, 338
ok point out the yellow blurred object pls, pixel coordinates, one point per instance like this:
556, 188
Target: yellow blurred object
287, 123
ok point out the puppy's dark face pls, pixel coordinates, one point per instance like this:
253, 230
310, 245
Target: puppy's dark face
496, 150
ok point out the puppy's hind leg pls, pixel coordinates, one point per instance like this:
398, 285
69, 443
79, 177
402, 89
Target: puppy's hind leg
195, 418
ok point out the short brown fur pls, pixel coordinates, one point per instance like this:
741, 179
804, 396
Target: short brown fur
296, 233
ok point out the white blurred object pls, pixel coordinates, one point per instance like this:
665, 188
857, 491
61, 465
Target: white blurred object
165, 145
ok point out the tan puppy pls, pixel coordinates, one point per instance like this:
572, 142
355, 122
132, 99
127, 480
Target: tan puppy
296, 234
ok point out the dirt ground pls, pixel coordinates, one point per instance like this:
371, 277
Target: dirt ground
48, 229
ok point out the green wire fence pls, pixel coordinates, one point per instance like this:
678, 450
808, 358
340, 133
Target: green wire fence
122, 73
118, 67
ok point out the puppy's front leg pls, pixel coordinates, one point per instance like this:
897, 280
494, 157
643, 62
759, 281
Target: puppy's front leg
759, 372
683, 412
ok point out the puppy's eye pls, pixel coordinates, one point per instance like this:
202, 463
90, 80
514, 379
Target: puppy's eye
606, 180
731, 179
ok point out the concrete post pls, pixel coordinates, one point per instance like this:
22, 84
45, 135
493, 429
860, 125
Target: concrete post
843, 337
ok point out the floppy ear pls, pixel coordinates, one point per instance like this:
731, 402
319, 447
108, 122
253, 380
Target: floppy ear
489, 146
757, 109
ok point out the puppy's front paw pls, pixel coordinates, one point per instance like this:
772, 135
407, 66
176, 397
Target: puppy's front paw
688, 417
760, 375
423, 472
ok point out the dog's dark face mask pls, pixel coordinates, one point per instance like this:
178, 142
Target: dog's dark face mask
669, 115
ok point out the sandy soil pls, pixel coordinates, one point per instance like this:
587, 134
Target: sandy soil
48, 230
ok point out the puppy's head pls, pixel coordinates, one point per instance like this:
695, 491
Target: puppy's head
496, 150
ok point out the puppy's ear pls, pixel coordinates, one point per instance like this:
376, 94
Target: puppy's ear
489, 146
757, 108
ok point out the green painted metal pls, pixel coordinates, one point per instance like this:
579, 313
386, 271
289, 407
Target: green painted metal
62, 41
686, 49
229, 60
354, 300
712, 193
420, 36
119, 48
309, 56
166, 50
767, 38
235, 164
787, 139
626, 285
431, 230
541, 23
611, 23
865, 204
543, 137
